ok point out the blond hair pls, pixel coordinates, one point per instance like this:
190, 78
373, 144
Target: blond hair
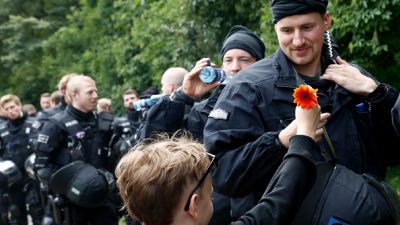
152, 177
104, 105
74, 85
8, 98
62, 84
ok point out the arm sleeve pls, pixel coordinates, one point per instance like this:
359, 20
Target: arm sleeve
288, 188
396, 116
382, 120
165, 116
48, 141
236, 133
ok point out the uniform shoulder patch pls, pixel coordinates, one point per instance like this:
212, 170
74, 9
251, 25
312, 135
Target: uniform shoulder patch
36, 124
43, 138
219, 114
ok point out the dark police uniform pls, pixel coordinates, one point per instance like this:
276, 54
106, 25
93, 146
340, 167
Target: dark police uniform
257, 103
124, 132
41, 118
73, 135
14, 146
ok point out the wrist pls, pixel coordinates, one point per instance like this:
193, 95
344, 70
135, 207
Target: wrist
378, 91
372, 86
180, 96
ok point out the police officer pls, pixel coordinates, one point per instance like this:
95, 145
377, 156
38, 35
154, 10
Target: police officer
125, 127
254, 117
45, 114
240, 49
14, 146
77, 134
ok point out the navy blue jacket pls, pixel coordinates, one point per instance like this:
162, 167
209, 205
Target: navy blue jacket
257, 103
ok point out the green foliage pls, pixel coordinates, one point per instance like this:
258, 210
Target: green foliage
368, 33
24, 26
130, 43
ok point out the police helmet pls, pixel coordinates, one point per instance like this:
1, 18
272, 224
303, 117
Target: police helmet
80, 183
10, 172
29, 165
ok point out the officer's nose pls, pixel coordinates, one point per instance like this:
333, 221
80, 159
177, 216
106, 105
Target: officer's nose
236, 67
298, 39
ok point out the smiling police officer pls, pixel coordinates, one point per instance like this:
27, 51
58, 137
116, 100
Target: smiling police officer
73, 139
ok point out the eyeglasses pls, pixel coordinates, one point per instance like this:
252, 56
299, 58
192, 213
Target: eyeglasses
212, 165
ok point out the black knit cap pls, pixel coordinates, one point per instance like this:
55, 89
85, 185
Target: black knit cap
284, 8
239, 37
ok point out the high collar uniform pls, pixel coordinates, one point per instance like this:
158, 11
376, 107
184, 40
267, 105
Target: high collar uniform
258, 103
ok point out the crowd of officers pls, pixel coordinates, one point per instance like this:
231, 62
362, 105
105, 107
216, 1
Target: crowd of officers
44, 157
58, 167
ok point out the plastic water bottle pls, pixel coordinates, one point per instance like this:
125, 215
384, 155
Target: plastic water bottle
210, 74
146, 103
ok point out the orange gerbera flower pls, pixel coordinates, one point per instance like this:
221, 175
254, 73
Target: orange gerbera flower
305, 96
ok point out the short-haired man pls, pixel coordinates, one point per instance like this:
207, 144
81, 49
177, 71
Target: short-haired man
55, 98
240, 49
104, 105
14, 146
45, 101
172, 79
254, 117
43, 116
77, 133
30, 109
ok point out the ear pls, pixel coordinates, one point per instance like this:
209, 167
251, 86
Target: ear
327, 21
193, 208
171, 88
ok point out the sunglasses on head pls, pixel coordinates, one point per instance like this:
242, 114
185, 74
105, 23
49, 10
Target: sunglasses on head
202, 179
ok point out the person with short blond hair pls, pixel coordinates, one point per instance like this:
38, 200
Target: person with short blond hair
8, 98
104, 105
78, 134
14, 146
161, 176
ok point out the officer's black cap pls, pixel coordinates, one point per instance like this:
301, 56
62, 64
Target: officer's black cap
284, 8
239, 37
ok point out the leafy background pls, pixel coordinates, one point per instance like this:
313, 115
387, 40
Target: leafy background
130, 43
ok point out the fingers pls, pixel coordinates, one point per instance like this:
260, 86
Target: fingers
319, 133
203, 62
325, 116
340, 60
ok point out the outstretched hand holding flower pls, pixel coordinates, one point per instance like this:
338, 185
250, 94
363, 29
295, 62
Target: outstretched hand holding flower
305, 96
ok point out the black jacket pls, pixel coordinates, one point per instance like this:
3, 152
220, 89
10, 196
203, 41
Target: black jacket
344, 196
14, 140
396, 116
73, 135
257, 103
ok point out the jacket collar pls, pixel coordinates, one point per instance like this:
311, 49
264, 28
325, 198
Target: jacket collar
286, 78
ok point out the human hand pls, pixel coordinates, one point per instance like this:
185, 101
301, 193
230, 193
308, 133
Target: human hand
308, 120
292, 129
192, 85
349, 77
